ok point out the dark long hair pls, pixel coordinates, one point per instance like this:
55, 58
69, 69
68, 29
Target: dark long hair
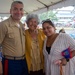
49, 22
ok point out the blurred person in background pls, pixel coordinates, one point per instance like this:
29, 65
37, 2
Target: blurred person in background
62, 31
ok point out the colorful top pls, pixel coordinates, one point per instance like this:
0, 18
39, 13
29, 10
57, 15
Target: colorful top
34, 51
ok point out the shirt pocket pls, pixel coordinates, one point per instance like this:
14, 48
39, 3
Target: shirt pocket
11, 34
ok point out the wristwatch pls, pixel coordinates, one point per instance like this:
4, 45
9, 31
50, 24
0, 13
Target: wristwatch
67, 59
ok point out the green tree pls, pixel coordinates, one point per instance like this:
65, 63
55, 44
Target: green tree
48, 15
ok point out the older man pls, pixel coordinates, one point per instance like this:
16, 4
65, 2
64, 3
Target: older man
12, 39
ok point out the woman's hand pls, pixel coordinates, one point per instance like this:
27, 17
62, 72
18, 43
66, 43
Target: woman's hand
61, 61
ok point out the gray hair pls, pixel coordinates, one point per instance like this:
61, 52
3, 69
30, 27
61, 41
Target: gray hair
32, 16
15, 2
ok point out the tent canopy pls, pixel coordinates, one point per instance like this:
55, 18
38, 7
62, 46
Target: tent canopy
34, 6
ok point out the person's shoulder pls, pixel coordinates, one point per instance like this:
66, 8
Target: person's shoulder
26, 31
40, 31
4, 22
3, 25
64, 35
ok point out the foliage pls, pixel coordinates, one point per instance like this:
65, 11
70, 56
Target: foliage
48, 15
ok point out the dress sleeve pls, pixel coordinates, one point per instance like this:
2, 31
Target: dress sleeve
70, 41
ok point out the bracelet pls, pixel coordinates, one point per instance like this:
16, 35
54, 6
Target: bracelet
67, 60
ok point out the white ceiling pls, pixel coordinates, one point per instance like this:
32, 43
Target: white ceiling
35, 6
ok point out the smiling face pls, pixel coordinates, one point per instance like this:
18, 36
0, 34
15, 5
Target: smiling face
16, 11
32, 24
48, 29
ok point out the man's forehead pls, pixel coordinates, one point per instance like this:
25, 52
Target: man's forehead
16, 5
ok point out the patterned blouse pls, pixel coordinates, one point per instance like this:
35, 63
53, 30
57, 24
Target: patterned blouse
35, 56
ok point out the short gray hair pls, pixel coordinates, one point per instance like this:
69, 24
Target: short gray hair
32, 16
15, 2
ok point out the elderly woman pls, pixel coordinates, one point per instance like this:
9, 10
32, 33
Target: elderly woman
34, 45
